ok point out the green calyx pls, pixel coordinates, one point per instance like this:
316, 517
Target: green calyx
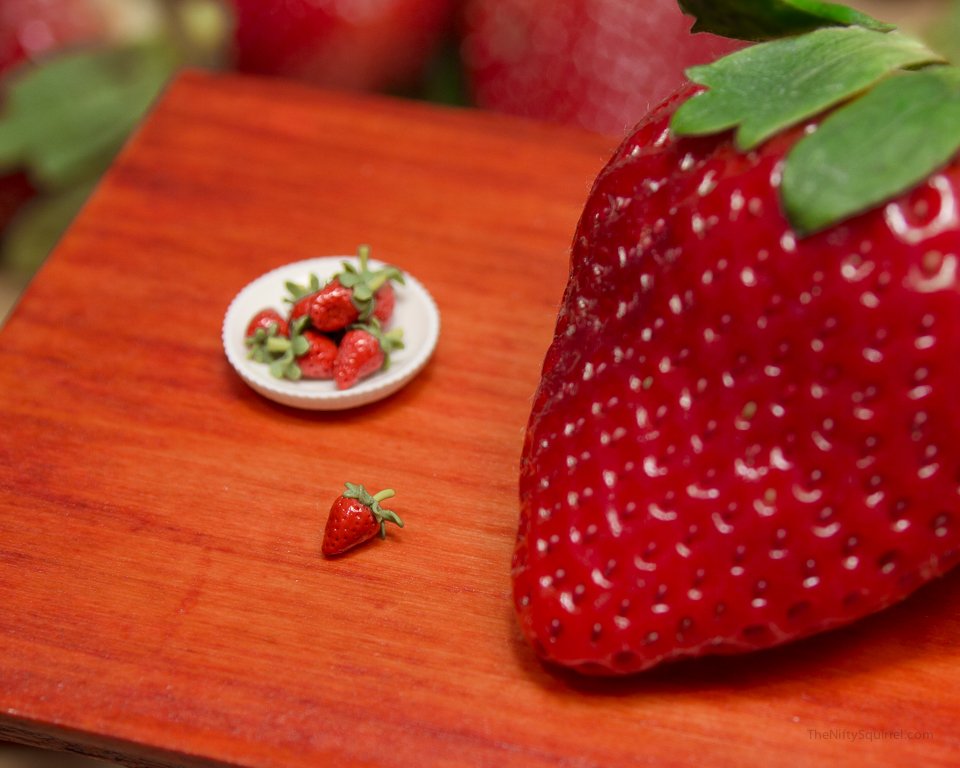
297, 291
283, 352
259, 341
364, 282
381, 515
895, 104
768, 19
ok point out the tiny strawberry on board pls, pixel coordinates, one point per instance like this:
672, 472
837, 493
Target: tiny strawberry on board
356, 517
746, 427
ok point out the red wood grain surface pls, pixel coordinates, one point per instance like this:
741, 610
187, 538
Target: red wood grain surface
163, 600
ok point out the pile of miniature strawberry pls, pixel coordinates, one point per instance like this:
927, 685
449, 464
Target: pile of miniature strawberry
334, 331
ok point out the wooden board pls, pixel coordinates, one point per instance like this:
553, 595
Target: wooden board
163, 596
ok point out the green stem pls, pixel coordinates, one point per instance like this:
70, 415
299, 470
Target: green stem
278, 344
386, 493
363, 253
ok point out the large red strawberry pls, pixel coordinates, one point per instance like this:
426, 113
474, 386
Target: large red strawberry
355, 517
32, 29
355, 45
599, 64
746, 428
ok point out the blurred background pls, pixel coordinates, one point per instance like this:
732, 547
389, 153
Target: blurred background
76, 77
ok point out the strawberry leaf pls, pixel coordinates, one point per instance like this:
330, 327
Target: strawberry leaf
381, 515
873, 149
768, 87
752, 20
298, 290
64, 121
299, 345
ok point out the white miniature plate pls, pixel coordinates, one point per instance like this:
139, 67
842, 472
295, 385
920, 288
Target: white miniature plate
415, 312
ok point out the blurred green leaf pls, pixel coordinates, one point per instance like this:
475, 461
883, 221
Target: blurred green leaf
65, 120
769, 19
38, 226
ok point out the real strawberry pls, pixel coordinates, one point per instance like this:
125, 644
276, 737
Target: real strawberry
356, 517
745, 428
363, 46
596, 64
364, 351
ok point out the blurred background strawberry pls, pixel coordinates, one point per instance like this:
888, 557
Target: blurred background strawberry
76, 76
357, 44
598, 64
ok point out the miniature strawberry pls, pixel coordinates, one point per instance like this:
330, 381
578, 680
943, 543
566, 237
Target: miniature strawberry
356, 517
301, 295
266, 319
303, 354
364, 350
745, 432
317, 361
331, 308
597, 64
265, 325
355, 293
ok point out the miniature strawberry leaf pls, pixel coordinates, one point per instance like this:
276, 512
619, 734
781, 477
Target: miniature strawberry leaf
752, 20
381, 515
299, 345
768, 87
298, 290
874, 148
364, 282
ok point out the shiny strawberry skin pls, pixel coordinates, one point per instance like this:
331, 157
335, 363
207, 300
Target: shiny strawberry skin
740, 437
596, 64
331, 308
301, 306
385, 300
317, 363
266, 318
360, 355
350, 523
